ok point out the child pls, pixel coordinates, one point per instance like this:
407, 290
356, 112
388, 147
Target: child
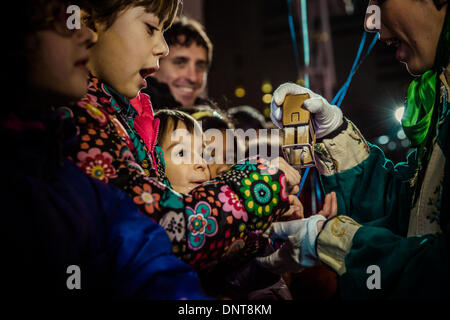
66, 235
184, 165
181, 141
118, 137
212, 118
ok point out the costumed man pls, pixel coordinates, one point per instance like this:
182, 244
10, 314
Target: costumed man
181, 79
393, 220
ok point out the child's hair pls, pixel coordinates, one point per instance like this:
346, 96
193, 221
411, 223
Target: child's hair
168, 117
106, 11
210, 116
246, 117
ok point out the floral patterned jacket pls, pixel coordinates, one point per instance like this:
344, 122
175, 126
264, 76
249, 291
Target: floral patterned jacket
220, 220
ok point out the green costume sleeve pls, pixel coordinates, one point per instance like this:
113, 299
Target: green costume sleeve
373, 190
367, 185
414, 267
367, 243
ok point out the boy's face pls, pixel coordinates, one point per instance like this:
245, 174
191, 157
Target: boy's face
59, 64
129, 51
415, 26
184, 71
181, 154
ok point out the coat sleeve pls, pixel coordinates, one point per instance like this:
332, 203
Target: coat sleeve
370, 188
376, 263
145, 266
367, 244
220, 220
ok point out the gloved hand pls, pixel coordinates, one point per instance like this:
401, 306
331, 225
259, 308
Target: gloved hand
299, 249
327, 118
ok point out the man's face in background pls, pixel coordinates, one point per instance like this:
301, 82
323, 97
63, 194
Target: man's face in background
184, 70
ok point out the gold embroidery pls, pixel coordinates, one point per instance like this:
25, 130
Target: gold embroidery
338, 225
343, 152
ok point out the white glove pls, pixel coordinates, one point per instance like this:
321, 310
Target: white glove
298, 251
327, 118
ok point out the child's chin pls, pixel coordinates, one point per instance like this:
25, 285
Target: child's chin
184, 190
131, 92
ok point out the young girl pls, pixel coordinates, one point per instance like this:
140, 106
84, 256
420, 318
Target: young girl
212, 118
66, 234
181, 141
117, 144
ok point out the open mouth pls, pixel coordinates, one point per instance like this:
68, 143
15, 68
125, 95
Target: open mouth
147, 72
401, 53
392, 42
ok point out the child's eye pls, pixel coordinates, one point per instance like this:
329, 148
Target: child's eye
180, 153
151, 29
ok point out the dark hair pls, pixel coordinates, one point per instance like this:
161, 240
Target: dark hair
169, 116
192, 31
210, 116
106, 11
247, 117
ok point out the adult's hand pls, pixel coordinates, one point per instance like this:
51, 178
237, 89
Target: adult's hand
298, 249
295, 209
327, 118
299, 236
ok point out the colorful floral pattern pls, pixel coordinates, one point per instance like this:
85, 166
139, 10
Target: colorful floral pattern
200, 225
232, 203
266, 167
90, 103
97, 164
204, 225
146, 197
261, 193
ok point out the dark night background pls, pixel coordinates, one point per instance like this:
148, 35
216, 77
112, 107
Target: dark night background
253, 45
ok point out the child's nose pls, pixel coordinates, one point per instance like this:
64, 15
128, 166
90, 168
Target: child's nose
161, 49
201, 164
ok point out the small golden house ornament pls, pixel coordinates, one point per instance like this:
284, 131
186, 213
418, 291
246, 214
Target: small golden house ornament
299, 132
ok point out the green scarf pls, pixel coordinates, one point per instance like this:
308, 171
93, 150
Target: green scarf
423, 95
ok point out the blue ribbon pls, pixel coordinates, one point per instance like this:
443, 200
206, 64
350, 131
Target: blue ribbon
339, 97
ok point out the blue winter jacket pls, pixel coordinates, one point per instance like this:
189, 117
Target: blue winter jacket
54, 217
